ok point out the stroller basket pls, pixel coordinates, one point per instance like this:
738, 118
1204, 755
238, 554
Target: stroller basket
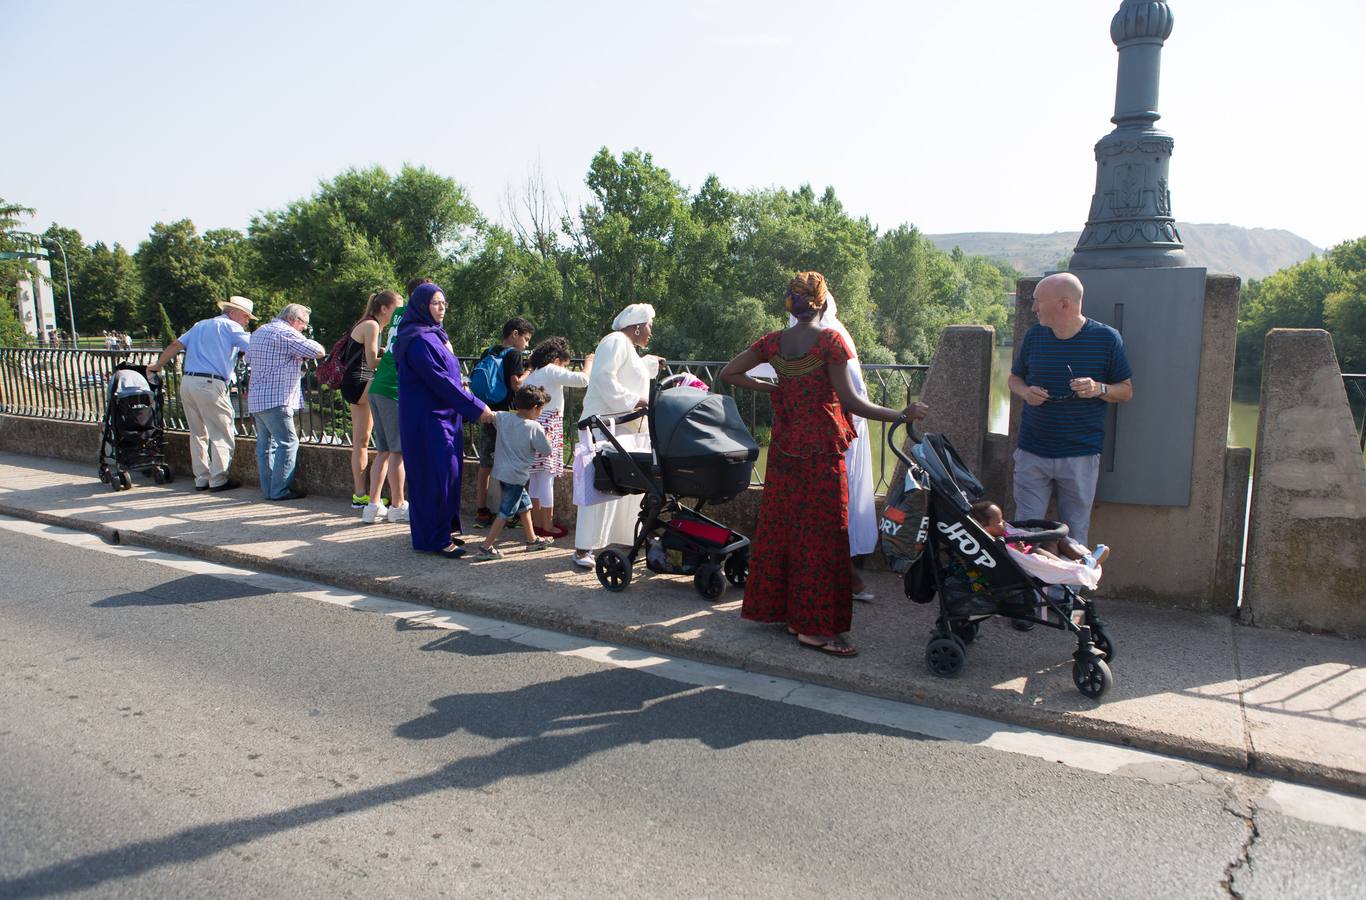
624, 472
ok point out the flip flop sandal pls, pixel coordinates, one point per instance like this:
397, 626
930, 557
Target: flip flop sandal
835, 647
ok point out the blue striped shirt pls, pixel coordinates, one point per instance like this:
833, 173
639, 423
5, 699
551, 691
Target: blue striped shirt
1072, 426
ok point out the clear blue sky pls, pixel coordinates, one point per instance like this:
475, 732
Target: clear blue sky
967, 116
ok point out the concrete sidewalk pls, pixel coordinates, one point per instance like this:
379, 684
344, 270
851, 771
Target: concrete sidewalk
1197, 686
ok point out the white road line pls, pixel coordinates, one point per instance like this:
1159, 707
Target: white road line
1301, 802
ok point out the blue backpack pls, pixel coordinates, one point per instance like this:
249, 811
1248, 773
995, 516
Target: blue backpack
486, 380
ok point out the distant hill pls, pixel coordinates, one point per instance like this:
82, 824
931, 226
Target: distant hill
1248, 252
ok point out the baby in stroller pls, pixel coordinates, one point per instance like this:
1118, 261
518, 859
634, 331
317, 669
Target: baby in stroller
989, 515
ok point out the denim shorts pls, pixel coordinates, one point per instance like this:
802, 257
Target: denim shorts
515, 500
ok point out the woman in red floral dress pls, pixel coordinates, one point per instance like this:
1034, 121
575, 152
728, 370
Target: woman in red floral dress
799, 568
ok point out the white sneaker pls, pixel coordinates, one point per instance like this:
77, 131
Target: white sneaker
864, 596
399, 513
374, 512
587, 562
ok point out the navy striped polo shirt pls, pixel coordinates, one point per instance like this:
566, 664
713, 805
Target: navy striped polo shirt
1068, 427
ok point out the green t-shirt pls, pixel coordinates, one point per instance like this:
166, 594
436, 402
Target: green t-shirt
385, 382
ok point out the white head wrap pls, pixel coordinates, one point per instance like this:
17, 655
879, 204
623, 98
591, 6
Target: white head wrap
635, 314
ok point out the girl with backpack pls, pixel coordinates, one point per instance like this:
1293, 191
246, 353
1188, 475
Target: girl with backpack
360, 358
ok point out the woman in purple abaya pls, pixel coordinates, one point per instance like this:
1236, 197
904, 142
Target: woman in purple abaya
432, 406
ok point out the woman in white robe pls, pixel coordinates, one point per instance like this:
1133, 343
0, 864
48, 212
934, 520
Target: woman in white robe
619, 383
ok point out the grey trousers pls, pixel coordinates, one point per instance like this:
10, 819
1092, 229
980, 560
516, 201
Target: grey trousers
1074, 479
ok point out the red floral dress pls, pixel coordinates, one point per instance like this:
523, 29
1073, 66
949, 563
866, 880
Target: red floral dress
799, 565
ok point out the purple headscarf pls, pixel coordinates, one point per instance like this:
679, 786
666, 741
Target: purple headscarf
418, 320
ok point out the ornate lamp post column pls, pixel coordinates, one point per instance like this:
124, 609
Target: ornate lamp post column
1130, 224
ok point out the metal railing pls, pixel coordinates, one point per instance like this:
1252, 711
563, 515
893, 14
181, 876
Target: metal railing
71, 385
1355, 383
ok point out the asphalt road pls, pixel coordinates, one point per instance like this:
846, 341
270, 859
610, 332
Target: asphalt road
170, 733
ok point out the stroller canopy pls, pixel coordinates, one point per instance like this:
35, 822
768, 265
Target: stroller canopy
128, 383
946, 471
693, 424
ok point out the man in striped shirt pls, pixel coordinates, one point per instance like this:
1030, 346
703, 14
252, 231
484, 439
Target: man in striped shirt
276, 355
1068, 368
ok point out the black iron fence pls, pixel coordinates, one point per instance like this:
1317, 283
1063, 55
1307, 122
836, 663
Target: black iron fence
71, 385
1356, 397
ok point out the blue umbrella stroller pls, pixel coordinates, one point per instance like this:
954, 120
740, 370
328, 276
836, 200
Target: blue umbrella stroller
973, 576
133, 438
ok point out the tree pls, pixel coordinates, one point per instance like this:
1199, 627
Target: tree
109, 291
1320, 292
12, 271
361, 232
165, 329
173, 263
78, 255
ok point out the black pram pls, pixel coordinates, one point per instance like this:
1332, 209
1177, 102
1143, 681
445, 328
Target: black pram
974, 577
701, 450
133, 438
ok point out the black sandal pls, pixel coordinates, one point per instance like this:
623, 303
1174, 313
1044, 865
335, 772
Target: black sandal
450, 552
833, 647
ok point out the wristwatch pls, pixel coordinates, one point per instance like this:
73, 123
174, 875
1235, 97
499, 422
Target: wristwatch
1104, 389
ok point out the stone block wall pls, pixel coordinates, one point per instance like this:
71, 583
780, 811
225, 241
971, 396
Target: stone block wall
1306, 554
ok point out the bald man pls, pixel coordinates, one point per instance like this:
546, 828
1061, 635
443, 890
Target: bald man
1068, 368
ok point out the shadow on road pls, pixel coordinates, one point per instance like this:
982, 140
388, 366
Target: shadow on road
544, 727
188, 591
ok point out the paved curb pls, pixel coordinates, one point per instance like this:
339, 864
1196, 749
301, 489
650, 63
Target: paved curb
1196, 750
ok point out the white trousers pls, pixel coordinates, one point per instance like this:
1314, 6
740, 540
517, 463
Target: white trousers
858, 466
208, 415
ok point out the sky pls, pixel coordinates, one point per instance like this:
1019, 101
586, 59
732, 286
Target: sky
970, 116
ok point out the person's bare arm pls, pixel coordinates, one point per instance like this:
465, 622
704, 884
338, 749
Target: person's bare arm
167, 355
853, 403
1034, 396
1119, 392
736, 373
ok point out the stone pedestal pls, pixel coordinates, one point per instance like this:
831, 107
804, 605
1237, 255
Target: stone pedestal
1306, 554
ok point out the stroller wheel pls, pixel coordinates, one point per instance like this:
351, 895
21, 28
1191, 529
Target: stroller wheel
965, 631
614, 570
104, 475
1101, 639
1092, 677
157, 475
737, 568
125, 481
709, 581
168, 473
945, 656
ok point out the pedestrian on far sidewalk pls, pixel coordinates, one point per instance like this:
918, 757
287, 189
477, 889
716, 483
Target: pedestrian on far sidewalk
211, 347
276, 356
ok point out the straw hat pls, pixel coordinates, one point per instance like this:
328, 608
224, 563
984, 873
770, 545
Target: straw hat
239, 303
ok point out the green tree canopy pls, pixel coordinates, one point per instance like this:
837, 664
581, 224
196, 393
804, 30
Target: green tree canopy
362, 232
1322, 292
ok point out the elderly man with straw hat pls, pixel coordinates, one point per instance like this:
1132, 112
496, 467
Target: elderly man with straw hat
211, 347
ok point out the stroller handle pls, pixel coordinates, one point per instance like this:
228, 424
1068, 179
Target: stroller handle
588, 421
892, 443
